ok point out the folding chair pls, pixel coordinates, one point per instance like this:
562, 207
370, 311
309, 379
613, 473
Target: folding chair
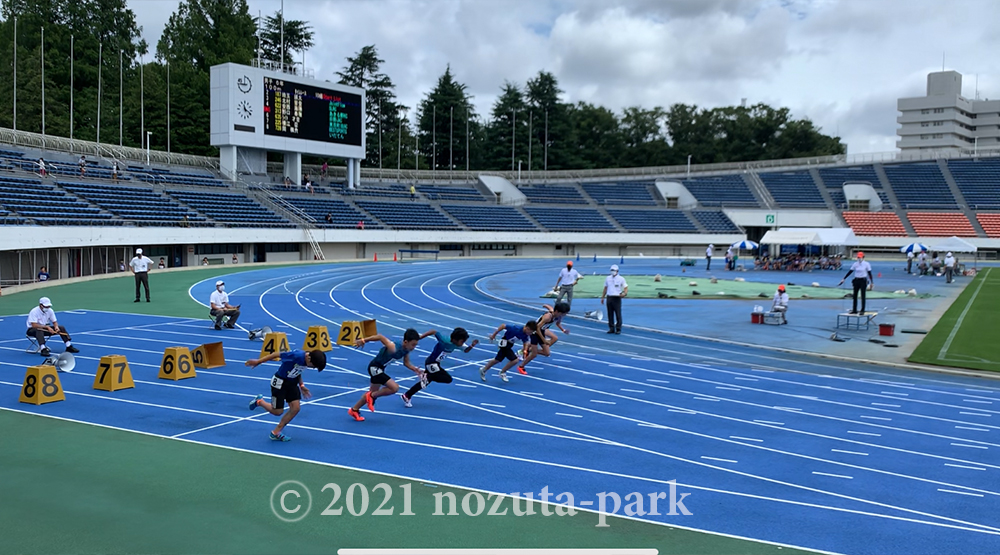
33, 347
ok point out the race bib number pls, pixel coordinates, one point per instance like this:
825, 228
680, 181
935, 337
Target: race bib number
433, 367
503, 343
277, 382
374, 370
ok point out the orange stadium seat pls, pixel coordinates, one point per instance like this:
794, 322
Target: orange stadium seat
941, 224
884, 224
990, 223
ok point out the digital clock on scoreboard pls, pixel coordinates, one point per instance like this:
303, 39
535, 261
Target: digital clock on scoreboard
310, 113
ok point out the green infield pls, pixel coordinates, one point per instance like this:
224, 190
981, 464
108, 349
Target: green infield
674, 287
964, 336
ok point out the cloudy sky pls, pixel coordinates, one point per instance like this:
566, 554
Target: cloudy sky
840, 63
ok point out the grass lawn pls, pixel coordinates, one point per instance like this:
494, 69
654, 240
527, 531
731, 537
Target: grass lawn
964, 336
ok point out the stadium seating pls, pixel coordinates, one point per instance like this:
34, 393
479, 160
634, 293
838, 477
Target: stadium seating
155, 175
920, 185
553, 194
990, 223
46, 205
885, 224
979, 182
344, 216
631, 194
142, 206
834, 178
570, 219
723, 190
793, 189
377, 191
715, 221
231, 209
941, 224
490, 218
451, 192
407, 215
662, 221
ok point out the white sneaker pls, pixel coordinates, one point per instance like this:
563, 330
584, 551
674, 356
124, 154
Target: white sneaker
482, 373
406, 402
503, 376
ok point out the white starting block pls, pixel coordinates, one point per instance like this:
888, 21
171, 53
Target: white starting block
850, 321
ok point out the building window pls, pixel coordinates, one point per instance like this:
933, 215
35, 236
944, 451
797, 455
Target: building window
938, 123
938, 110
925, 111
925, 124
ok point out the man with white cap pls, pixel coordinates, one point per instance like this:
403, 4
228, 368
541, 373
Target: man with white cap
614, 289
140, 269
862, 272
949, 267
568, 277
221, 308
42, 323
708, 257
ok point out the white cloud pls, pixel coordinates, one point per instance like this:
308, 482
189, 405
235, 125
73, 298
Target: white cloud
840, 63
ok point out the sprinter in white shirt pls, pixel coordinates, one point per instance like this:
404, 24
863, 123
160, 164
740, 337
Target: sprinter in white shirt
862, 272
140, 269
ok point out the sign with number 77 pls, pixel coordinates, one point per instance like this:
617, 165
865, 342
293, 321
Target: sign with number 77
113, 374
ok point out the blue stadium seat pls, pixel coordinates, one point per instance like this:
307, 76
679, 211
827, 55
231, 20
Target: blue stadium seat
344, 216
407, 215
490, 218
715, 221
629, 193
139, 205
552, 194
451, 192
570, 219
723, 190
793, 189
232, 210
920, 185
979, 182
661, 221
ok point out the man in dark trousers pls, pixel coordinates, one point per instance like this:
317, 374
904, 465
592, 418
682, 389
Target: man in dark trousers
140, 268
614, 289
862, 272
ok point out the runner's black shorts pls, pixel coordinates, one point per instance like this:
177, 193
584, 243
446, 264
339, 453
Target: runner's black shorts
378, 375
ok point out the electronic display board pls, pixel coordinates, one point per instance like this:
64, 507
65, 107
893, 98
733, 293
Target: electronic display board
312, 113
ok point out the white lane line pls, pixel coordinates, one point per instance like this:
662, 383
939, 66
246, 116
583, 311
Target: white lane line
943, 354
644, 425
656, 381
770, 422
463, 385
864, 433
977, 401
875, 418
960, 492
720, 460
972, 446
746, 438
786, 408
975, 414
885, 405
834, 475
728, 388
762, 370
979, 390
632, 390
533, 393
973, 429
963, 466
849, 452
679, 372
603, 402
491, 405
705, 399
682, 411
895, 393
741, 378
571, 415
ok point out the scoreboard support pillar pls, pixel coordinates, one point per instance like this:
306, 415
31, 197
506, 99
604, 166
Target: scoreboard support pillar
293, 167
227, 161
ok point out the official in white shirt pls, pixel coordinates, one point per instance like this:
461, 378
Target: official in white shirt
949, 267
140, 269
708, 258
862, 272
909, 261
42, 324
922, 263
568, 277
781, 303
221, 308
614, 289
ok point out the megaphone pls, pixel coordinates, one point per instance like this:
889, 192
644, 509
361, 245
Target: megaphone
594, 315
259, 334
63, 363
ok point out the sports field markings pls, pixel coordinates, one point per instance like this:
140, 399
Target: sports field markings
682, 411
963, 466
970, 428
770, 422
864, 433
975, 414
632, 390
943, 353
656, 381
979, 390
865, 416
970, 446
977, 401
960, 492
746, 438
492, 405
885, 405
603, 402
720, 460
570, 415
741, 378
833, 475
895, 393
724, 388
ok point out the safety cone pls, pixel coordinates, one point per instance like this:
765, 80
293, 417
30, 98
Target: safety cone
577, 257
376, 258
394, 257
622, 261
595, 257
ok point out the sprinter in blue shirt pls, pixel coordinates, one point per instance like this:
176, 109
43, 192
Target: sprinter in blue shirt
287, 385
512, 333
381, 383
433, 372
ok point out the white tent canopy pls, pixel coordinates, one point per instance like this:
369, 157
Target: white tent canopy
810, 236
953, 244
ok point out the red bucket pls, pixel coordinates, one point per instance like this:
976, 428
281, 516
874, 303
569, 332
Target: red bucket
886, 329
756, 317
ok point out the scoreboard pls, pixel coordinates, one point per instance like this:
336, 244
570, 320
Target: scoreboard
311, 113
271, 111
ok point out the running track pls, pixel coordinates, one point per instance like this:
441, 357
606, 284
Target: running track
782, 448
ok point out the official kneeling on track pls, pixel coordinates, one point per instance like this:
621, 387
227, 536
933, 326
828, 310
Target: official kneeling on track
42, 324
221, 307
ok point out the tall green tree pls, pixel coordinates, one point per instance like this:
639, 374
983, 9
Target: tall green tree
298, 37
199, 35
599, 142
444, 112
508, 129
644, 137
552, 134
382, 113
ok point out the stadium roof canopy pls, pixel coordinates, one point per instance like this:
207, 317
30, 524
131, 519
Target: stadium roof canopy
810, 236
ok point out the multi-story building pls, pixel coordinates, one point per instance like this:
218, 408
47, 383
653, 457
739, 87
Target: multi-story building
945, 120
